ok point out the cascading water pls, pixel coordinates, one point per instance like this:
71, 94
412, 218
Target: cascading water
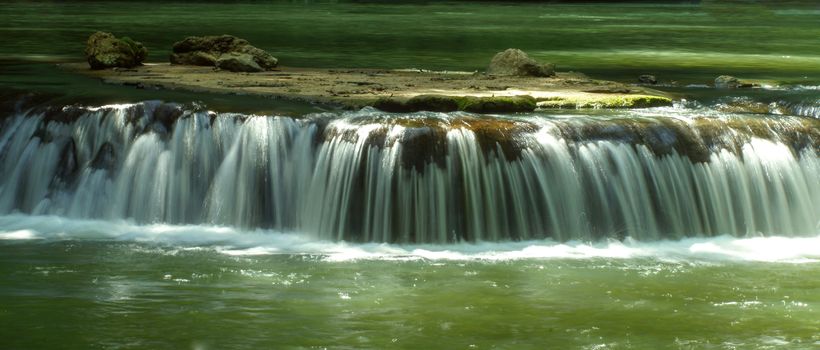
370, 176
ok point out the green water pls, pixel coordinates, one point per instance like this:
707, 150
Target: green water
689, 43
710, 36
78, 294
81, 291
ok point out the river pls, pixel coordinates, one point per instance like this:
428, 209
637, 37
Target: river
256, 223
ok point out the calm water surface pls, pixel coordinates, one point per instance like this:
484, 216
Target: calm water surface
697, 294
688, 43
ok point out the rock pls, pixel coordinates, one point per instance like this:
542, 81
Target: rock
196, 58
730, 82
747, 105
430, 103
606, 101
104, 50
442, 103
433, 103
167, 114
68, 163
726, 82
516, 62
106, 157
262, 58
647, 79
238, 62
390, 105
238, 54
498, 104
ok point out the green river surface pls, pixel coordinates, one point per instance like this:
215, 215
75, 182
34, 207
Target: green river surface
84, 284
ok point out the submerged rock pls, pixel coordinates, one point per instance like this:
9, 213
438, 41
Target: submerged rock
236, 54
647, 79
517, 63
104, 50
730, 82
68, 164
106, 157
726, 82
747, 105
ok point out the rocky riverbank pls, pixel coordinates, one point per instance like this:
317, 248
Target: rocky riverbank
514, 82
391, 89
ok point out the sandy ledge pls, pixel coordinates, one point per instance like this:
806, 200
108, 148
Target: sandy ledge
404, 90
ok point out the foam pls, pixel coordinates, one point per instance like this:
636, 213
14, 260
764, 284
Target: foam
235, 242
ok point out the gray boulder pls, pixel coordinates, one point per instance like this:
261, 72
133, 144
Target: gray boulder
516, 62
238, 62
208, 50
104, 50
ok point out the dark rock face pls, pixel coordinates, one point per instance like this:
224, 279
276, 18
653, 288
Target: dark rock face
235, 53
516, 62
106, 157
647, 79
68, 164
104, 50
473, 104
167, 114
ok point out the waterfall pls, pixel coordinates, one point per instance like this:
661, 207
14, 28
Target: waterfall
371, 176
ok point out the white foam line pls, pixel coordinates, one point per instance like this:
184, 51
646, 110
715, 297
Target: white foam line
235, 242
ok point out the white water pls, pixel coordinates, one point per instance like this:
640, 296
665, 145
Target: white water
364, 177
235, 242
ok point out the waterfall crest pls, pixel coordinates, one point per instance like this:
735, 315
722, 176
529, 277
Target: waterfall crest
370, 176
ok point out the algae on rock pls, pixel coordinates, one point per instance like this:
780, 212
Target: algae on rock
104, 50
209, 50
443, 103
517, 63
605, 101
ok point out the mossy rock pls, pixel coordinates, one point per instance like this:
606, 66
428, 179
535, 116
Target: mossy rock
514, 62
430, 103
196, 58
388, 104
607, 101
443, 103
104, 50
662, 136
499, 104
208, 50
433, 103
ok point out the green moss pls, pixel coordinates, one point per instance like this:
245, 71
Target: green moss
137, 49
442, 103
433, 103
607, 101
497, 104
388, 104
